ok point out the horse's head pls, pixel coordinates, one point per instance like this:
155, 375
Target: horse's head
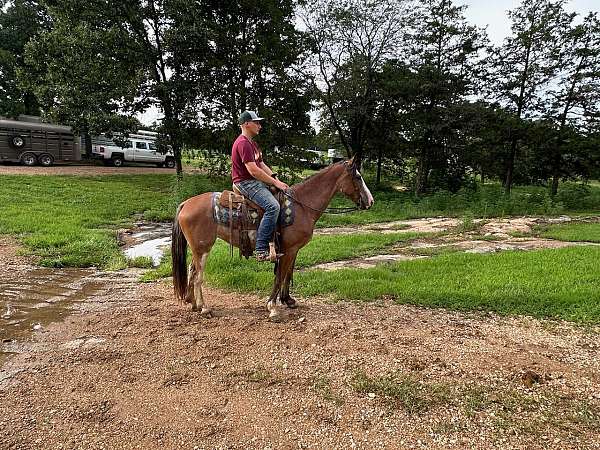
352, 185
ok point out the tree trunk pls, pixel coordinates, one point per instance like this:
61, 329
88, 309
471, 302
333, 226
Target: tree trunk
510, 167
86, 141
422, 175
555, 180
379, 157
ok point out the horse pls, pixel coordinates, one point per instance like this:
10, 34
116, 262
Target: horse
195, 226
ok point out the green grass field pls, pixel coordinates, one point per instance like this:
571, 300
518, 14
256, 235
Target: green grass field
562, 283
573, 232
72, 221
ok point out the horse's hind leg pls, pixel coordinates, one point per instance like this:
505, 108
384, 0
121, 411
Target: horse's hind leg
198, 299
189, 297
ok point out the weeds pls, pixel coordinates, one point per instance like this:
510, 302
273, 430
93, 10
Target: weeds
397, 391
322, 386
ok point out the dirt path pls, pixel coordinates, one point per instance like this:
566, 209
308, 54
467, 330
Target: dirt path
132, 369
81, 170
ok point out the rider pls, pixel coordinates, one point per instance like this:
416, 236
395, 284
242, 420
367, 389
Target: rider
251, 176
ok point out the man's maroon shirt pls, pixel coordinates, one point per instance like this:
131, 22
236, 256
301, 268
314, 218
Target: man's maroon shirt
243, 151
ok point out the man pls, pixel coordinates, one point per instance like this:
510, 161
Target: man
252, 176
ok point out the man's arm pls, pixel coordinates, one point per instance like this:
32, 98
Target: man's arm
260, 174
266, 168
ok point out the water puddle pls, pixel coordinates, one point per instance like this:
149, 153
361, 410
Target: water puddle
147, 240
31, 298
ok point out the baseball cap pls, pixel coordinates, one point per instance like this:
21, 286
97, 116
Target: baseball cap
248, 116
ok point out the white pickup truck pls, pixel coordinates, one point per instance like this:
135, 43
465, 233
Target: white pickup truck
138, 147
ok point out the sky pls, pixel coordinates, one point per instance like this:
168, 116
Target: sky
493, 14
483, 13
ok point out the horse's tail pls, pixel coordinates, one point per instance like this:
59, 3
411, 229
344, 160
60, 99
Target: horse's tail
179, 258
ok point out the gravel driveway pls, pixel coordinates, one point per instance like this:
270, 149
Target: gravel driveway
79, 169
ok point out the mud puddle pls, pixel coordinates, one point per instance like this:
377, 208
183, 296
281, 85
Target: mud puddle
147, 240
31, 298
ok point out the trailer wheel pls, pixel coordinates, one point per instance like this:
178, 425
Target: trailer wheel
17, 142
46, 160
117, 161
28, 159
169, 163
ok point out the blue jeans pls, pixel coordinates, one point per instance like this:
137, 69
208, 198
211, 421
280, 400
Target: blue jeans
259, 193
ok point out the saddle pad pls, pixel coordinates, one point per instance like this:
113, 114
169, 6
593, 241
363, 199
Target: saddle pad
221, 213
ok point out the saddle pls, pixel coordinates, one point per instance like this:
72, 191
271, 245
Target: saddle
243, 217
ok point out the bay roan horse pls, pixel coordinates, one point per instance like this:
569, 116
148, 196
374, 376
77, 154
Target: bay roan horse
194, 225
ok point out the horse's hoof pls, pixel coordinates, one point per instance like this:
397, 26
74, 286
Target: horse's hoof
206, 313
290, 303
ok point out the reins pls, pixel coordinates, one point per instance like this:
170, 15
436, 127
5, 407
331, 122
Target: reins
326, 210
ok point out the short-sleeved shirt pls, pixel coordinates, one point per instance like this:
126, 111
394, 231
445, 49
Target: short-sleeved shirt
243, 151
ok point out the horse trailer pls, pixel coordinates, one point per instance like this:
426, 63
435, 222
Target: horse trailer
37, 143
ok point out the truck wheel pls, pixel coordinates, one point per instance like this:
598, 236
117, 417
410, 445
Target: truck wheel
28, 159
46, 160
170, 163
17, 142
117, 161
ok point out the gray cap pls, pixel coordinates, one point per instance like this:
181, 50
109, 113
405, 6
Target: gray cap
248, 116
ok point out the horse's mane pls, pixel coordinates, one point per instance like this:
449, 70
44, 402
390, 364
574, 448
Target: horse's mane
326, 169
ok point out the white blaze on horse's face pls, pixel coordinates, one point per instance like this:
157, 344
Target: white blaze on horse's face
365, 193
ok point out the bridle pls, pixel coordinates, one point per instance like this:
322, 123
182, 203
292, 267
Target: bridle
355, 177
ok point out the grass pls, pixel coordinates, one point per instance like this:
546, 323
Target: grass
508, 409
399, 391
226, 272
573, 232
556, 283
142, 262
72, 221
562, 283
487, 201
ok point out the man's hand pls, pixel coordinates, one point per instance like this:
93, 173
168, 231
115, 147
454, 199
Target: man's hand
281, 185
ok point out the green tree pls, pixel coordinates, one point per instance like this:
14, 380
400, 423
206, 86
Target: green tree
252, 63
104, 61
447, 69
576, 100
352, 39
526, 62
20, 20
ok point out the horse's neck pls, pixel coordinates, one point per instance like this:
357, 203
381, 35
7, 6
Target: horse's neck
318, 190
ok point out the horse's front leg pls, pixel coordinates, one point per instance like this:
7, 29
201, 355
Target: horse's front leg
285, 296
283, 266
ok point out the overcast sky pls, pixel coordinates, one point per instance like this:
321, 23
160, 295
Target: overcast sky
494, 14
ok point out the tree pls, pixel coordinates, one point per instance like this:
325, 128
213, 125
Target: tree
352, 39
526, 62
576, 99
105, 60
447, 68
252, 63
20, 21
